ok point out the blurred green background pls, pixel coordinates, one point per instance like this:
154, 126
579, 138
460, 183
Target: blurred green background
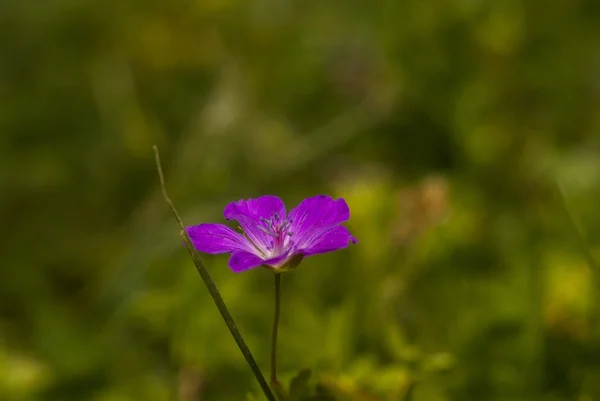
464, 134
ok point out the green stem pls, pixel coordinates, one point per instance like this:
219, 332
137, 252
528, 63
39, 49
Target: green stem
582, 241
274, 382
212, 289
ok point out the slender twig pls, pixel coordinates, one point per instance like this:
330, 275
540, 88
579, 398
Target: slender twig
582, 241
275, 328
212, 288
275, 385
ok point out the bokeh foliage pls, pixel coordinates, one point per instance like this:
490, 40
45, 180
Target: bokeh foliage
464, 135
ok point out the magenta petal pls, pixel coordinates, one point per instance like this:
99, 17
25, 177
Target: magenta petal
336, 238
241, 261
217, 238
278, 260
316, 215
249, 214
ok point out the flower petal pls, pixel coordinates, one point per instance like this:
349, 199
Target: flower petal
249, 214
217, 238
316, 215
278, 260
331, 240
241, 261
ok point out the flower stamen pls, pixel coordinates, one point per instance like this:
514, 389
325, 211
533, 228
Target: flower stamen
277, 228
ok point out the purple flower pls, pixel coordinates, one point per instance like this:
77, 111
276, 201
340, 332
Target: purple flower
273, 238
